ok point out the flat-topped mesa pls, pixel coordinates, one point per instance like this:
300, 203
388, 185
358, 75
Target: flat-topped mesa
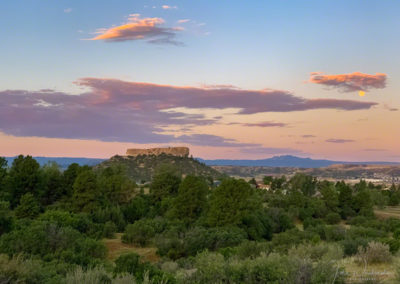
175, 151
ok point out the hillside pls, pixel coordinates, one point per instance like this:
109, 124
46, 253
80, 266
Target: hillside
143, 167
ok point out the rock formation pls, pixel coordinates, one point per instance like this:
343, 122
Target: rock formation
175, 151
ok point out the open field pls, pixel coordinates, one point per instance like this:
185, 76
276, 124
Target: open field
116, 247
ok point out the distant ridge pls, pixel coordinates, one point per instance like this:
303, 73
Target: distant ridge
286, 161
63, 162
276, 161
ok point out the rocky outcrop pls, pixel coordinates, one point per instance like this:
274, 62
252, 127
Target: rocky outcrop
175, 151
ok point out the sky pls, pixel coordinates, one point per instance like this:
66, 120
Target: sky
229, 79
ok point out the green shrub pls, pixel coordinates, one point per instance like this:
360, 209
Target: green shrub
350, 246
139, 232
19, 269
333, 218
132, 264
109, 230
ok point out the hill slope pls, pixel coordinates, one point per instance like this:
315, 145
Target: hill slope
143, 167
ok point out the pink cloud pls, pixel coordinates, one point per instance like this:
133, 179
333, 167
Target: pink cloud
352, 82
115, 110
137, 28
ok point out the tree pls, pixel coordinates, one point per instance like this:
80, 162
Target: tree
345, 199
6, 219
115, 185
28, 207
85, 193
70, 175
330, 197
267, 180
305, 183
165, 184
191, 199
52, 188
24, 177
3, 174
231, 201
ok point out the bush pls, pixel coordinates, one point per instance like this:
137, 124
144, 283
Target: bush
335, 233
109, 230
139, 232
375, 252
49, 241
132, 264
19, 269
350, 246
28, 207
333, 218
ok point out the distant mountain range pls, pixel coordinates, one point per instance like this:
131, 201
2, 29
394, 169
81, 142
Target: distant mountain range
62, 161
287, 161
277, 161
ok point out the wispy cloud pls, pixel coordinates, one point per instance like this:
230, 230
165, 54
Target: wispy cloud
115, 110
262, 124
68, 10
168, 7
136, 28
339, 141
352, 82
308, 136
183, 21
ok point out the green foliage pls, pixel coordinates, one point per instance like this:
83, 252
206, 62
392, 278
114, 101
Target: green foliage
191, 199
49, 241
305, 183
6, 220
110, 214
137, 208
332, 218
165, 184
20, 269
230, 202
115, 185
132, 264
109, 230
28, 207
53, 187
267, 180
3, 176
140, 232
24, 177
85, 195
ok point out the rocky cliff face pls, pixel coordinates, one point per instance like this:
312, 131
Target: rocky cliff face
175, 151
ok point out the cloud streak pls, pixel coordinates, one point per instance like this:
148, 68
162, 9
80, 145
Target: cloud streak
115, 110
136, 28
339, 141
352, 82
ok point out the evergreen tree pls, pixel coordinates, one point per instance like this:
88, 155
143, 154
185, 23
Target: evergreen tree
231, 201
24, 177
85, 196
28, 207
191, 199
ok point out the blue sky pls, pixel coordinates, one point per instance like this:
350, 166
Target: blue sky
249, 44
